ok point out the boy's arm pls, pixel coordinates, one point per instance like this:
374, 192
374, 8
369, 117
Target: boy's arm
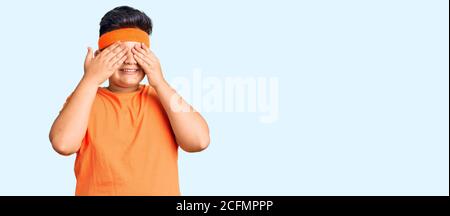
70, 126
190, 129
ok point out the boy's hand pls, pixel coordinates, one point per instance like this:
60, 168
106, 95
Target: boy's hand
99, 68
149, 63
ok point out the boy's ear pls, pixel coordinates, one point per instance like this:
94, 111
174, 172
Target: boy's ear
96, 52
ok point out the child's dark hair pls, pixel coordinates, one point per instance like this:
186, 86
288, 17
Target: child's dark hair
125, 17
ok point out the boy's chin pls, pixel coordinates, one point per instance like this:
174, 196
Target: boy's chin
127, 83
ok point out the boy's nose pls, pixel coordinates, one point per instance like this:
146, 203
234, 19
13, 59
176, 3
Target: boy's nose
130, 59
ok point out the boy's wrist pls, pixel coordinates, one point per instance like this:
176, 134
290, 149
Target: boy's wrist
90, 82
160, 85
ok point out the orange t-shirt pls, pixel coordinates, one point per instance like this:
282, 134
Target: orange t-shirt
129, 147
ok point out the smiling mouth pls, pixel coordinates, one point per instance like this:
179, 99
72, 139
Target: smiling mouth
129, 71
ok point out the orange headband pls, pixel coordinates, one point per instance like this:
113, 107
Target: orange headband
123, 34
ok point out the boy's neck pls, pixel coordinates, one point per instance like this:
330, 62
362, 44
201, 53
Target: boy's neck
118, 89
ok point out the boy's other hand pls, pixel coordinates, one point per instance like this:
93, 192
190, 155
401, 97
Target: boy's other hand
99, 68
149, 63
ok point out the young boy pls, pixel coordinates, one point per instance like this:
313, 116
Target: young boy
126, 135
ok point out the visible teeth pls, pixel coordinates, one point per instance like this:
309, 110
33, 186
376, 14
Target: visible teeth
128, 70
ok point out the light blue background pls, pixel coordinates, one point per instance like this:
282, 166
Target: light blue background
364, 104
